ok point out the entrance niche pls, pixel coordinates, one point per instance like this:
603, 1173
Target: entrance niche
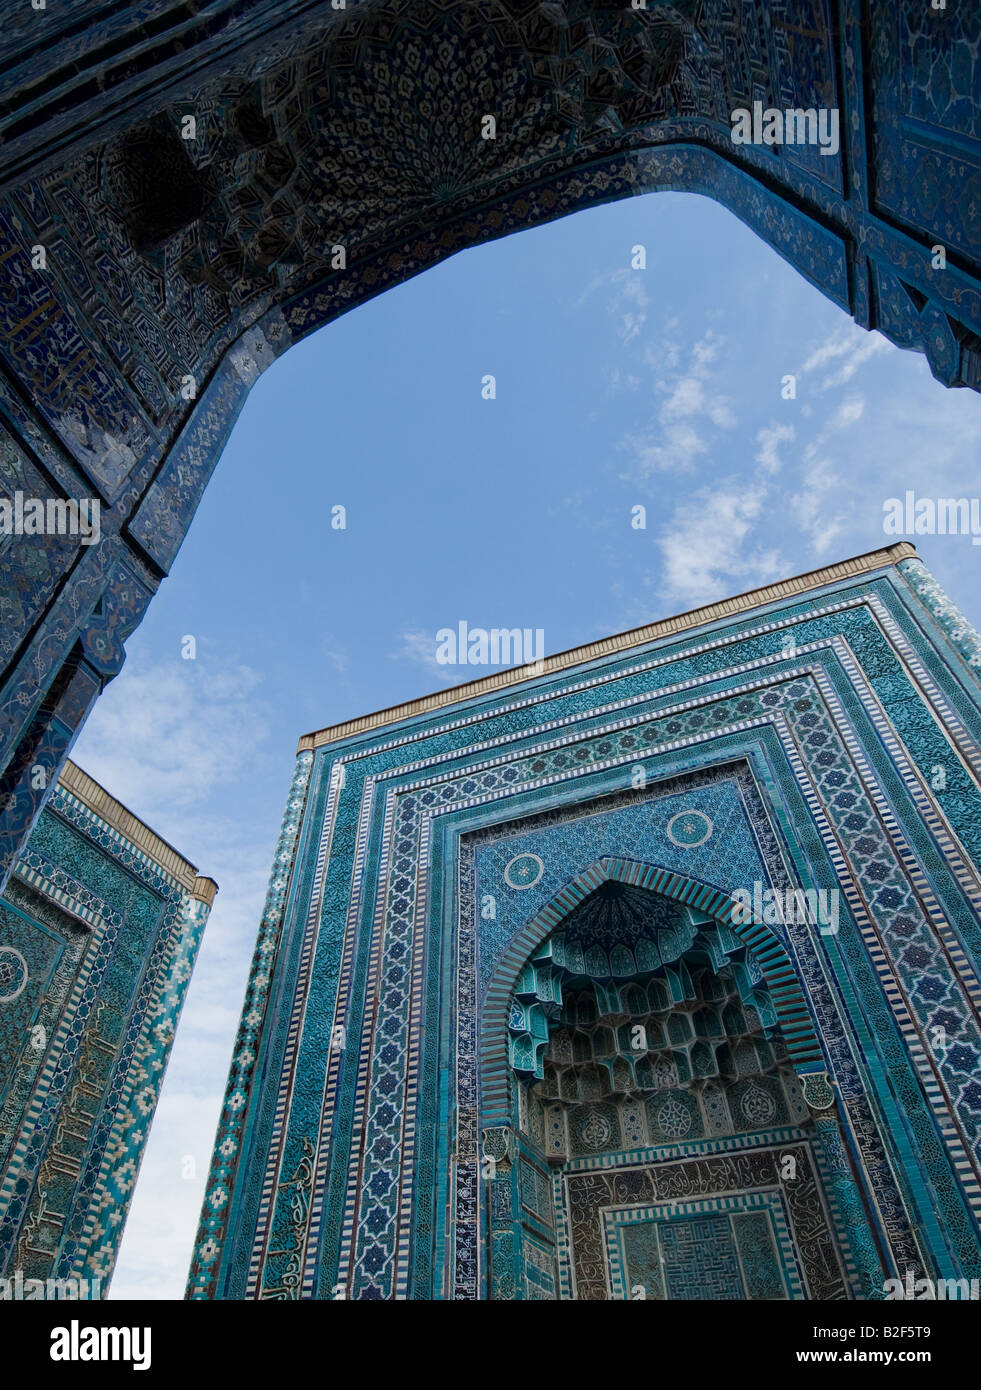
661, 1146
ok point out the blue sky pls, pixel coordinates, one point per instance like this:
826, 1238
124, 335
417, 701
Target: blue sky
615, 388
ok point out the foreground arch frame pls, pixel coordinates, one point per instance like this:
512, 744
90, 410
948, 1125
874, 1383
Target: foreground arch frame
147, 278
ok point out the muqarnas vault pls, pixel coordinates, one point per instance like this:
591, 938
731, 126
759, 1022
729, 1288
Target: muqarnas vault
100, 925
518, 1027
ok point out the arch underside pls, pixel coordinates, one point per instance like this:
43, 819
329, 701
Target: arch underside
724, 939
643, 1042
335, 153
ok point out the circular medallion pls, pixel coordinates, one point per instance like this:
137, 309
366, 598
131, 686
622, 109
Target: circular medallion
13, 974
524, 871
689, 828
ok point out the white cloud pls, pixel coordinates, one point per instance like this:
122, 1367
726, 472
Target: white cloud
688, 396
769, 440
848, 413
627, 303
619, 380
707, 349
420, 647
810, 505
819, 504
707, 549
666, 356
680, 433
849, 348
164, 735
672, 449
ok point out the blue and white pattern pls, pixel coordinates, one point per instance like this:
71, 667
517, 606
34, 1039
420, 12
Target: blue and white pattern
97, 944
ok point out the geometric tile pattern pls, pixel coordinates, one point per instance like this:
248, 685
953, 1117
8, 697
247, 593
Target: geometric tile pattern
108, 937
699, 1259
726, 1248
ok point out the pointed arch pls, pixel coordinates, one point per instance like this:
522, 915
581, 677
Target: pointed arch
793, 1015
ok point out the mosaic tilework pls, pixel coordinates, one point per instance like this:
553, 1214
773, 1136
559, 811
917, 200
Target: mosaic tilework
108, 939
702, 1250
700, 1259
395, 1150
696, 1249
359, 128
724, 1115
224, 1163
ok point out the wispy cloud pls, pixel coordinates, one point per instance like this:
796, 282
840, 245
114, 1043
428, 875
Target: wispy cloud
691, 411
814, 484
627, 300
675, 448
419, 647
194, 723
770, 439
848, 350
708, 549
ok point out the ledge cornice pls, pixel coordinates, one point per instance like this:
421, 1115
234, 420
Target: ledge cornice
91, 794
609, 646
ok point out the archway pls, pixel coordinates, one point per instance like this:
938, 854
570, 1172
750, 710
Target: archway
259, 168
711, 903
660, 1140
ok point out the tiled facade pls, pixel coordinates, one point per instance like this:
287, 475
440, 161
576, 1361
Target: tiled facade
517, 1035
99, 928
